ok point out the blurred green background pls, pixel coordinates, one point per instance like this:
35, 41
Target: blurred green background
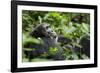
74, 26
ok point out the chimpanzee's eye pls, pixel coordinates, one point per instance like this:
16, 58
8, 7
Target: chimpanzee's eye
47, 27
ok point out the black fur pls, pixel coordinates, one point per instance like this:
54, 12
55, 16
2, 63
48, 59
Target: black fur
50, 39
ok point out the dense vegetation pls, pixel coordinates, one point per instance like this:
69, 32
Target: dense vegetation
73, 26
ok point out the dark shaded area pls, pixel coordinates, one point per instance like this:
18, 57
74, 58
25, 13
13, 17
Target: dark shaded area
85, 42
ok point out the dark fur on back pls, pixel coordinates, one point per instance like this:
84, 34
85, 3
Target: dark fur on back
49, 38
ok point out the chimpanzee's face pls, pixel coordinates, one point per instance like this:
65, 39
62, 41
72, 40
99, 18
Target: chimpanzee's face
48, 31
43, 30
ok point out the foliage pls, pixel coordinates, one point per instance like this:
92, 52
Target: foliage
63, 24
53, 50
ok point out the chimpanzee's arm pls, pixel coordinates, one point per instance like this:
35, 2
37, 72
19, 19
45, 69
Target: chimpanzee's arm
63, 39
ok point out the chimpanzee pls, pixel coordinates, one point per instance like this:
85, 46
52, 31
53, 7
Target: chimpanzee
50, 40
